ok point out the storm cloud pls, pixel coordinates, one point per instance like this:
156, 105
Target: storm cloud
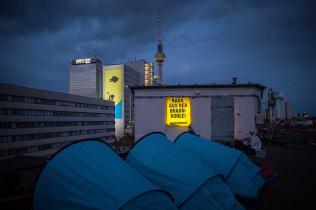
267, 42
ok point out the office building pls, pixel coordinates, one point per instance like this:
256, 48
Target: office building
117, 79
38, 122
145, 70
149, 74
86, 77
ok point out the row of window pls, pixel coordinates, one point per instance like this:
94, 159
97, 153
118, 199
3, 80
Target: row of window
30, 112
36, 148
12, 125
31, 100
27, 137
17, 151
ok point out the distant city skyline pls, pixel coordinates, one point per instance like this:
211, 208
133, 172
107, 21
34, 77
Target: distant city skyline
268, 42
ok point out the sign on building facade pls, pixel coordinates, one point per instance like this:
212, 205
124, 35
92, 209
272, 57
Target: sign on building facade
178, 111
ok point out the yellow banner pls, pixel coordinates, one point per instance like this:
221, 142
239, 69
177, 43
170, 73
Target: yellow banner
178, 111
113, 89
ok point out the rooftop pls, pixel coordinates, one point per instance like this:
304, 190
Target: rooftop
293, 188
46, 94
210, 85
81, 61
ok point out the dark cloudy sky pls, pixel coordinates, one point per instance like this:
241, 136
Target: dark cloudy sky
271, 42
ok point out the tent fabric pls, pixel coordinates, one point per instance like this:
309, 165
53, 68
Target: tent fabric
90, 175
154, 200
209, 195
219, 157
241, 175
179, 173
245, 179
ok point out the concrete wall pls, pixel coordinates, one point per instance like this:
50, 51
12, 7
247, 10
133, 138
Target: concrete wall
202, 116
245, 110
150, 110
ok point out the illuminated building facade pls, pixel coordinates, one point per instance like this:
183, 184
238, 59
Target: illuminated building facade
37, 122
145, 70
86, 77
117, 79
149, 75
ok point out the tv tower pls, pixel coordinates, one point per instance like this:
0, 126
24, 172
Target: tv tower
160, 56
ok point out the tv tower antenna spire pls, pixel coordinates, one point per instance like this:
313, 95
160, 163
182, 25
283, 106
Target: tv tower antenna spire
159, 26
159, 56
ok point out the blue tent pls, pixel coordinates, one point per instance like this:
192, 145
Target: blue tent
241, 175
192, 184
90, 175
